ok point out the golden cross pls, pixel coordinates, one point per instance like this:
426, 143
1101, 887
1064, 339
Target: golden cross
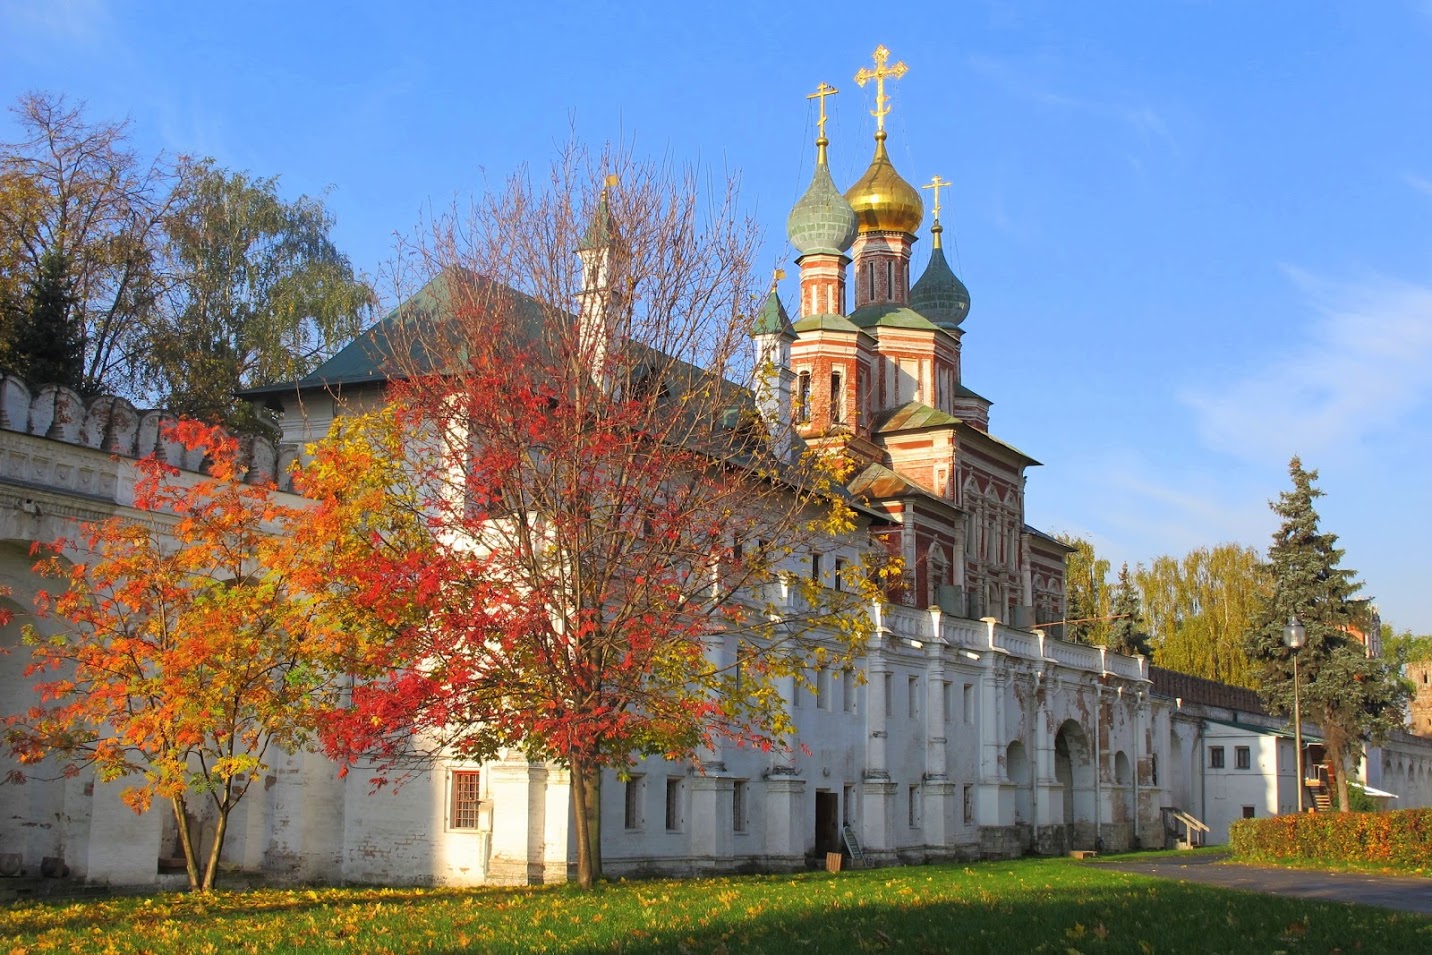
936, 184
821, 92
881, 71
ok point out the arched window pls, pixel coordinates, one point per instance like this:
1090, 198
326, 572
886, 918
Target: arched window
837, 397
803, 397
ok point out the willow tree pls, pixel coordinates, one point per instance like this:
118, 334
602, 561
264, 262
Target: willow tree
1198, 608
1088, 598
621, 559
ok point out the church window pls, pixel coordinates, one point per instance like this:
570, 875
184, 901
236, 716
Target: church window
839, 573
674, 788
969, 803
803, 397
1215, 757
466, 785
1242, 758
889, 279
837, 397
815, 567
1250, 812
870, 281
738, 805
635, 789
914, 806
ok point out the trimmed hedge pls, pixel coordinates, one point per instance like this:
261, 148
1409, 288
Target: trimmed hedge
1401, 837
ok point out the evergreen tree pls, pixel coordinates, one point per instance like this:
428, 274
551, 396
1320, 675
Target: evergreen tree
1350, 695
1126, 631
47, 346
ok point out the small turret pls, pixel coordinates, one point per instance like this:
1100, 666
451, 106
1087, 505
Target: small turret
601, 316
773, 335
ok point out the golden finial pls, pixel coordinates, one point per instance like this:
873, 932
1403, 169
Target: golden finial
881, 71
777, 275
821, 92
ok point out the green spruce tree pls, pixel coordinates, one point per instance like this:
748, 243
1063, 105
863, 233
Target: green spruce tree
1126, 630
47, 346
1351, 696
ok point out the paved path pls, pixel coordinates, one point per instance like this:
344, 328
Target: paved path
1407, 894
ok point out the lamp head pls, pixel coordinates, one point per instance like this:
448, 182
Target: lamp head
1295, 635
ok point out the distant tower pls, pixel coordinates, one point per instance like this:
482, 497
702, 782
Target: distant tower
1420, 709
822, 227
773, 336
600, 323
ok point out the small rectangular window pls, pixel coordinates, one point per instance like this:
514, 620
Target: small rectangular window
466, 786
839, 573
1215, 757
802, 397
738, 806
634, 789
837, 397
815, 567
673, 804
1242, 758
969, 803
1249, 812
914, 694
914, 807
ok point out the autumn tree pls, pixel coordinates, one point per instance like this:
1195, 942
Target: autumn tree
1350, 695
180, 664
1198, 607
72, 192
1088, 599
617, 560
255, 292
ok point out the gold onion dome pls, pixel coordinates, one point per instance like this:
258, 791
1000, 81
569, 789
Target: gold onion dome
883, 202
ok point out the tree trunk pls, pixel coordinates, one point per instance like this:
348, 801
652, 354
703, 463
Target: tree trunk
593, 785
211, 869
581, 820
191, 864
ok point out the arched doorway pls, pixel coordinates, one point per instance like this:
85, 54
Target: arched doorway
1074, 769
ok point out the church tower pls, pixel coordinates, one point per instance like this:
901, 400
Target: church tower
601, 322
831, 357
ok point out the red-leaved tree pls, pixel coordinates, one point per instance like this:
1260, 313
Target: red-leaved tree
182, 656
571, 533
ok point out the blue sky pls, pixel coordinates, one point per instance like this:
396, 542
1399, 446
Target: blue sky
1197, 235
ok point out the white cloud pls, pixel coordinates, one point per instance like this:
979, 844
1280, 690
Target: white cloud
1359, 371
83, 23
1419, 183
1142, 118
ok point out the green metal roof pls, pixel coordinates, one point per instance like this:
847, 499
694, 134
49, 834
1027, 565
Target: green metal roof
826, 322
913, 416
891, 315
772, 318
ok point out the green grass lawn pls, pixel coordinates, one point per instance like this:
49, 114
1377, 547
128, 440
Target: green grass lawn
1035, 905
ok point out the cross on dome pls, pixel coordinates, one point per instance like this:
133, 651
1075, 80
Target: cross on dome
879, 75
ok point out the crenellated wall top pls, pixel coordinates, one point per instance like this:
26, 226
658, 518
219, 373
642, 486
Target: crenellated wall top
114, 426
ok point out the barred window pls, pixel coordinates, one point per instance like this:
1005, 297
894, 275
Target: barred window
465, 790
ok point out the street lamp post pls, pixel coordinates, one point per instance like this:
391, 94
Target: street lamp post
1294, 636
